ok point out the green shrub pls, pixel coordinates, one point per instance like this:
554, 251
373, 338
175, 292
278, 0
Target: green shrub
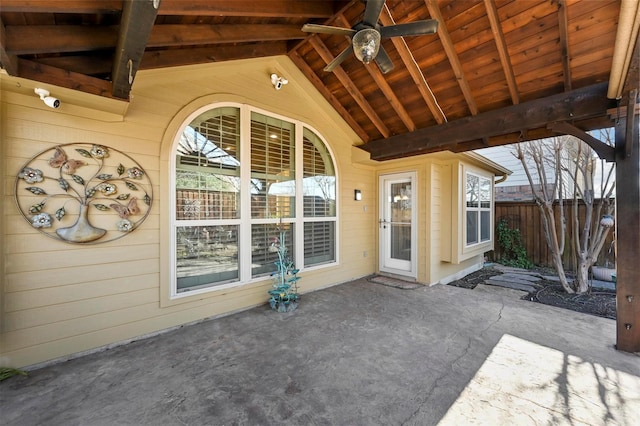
513, 252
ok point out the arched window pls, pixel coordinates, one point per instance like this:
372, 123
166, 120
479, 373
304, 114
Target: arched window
244, 181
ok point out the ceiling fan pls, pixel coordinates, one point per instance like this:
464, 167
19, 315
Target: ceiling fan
366, 36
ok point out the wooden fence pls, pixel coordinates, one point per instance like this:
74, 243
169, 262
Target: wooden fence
526, 216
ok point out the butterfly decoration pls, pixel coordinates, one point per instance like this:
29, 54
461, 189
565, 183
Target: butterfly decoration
125, 211
60, 161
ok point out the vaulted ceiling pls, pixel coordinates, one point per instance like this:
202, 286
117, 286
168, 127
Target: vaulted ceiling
496, 71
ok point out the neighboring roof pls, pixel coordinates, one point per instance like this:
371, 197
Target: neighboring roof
495, 167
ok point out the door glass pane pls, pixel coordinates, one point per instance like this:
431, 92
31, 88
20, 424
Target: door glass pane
400, 227
401, 241
206, 255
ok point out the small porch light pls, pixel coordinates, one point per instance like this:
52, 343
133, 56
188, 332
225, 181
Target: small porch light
357, 195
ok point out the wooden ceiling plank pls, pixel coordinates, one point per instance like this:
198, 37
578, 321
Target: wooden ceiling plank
268, 9
271, 8
564, 44
30, 40
319, 85
503, 52
350, 86
578, 104
199, 55
447, 43
179, 35
8, 61
57, 6
138, 18
414, 70
63, 78
385, 88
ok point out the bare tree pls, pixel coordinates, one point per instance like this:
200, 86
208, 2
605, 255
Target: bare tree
574, 165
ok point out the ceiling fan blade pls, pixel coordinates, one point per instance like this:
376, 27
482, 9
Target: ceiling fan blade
338, 59
372, 12
325, 29
428, 26
384, 61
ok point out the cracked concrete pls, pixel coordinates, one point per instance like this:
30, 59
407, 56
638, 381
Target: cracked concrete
359, 354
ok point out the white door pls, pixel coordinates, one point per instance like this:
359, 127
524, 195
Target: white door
397, 221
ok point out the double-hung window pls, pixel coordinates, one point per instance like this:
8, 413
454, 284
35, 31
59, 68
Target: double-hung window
478, 209
245, 181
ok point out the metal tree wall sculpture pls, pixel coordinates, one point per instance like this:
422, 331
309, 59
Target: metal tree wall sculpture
72, 192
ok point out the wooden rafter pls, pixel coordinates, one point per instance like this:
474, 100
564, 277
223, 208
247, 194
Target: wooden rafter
75, 38
63, 78
579, 104
315, 80
503, 52
349, 85
414, 70
564, 44
447, 44
8, 61
271, 8
388, 92
136, 24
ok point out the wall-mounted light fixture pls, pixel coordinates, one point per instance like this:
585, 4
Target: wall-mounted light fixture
357, 195
278, 81
49, 101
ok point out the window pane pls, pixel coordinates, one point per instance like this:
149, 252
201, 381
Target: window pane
319, 183
485, 226
472, 192
319, 243
472, 227
265, 239
208, 167
206, 255
273, 185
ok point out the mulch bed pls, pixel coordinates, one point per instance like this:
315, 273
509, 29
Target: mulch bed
599, 302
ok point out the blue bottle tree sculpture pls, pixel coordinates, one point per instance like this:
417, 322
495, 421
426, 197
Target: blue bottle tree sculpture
284, 292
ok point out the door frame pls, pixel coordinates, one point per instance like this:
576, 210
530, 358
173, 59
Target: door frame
383, 181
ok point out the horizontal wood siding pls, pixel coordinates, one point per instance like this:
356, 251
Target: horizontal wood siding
526, 216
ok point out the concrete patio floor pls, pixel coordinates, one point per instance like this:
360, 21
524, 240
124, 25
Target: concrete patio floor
359, 353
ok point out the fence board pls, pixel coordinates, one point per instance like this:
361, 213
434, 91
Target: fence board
526, 216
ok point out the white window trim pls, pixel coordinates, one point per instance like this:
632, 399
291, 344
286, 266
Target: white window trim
244, 222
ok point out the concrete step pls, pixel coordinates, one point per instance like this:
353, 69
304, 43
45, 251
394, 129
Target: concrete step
522, 286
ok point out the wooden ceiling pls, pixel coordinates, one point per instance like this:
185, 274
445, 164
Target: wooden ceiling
497, 71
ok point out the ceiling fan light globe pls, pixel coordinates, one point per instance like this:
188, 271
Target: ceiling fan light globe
366, 44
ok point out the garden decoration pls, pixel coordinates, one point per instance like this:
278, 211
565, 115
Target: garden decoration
83, 193
284, 291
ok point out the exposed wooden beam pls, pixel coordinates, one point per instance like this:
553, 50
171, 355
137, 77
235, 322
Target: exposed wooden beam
604, 151
447, 43
564, 44
83, 64
76, 38
628, 236
271, 8
319, 85
414, 70
384, 87
8, 61
579, 104
138, 17
503, 52
63, 78
200, 55
350, 86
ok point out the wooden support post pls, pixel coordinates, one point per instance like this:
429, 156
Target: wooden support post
628, 233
